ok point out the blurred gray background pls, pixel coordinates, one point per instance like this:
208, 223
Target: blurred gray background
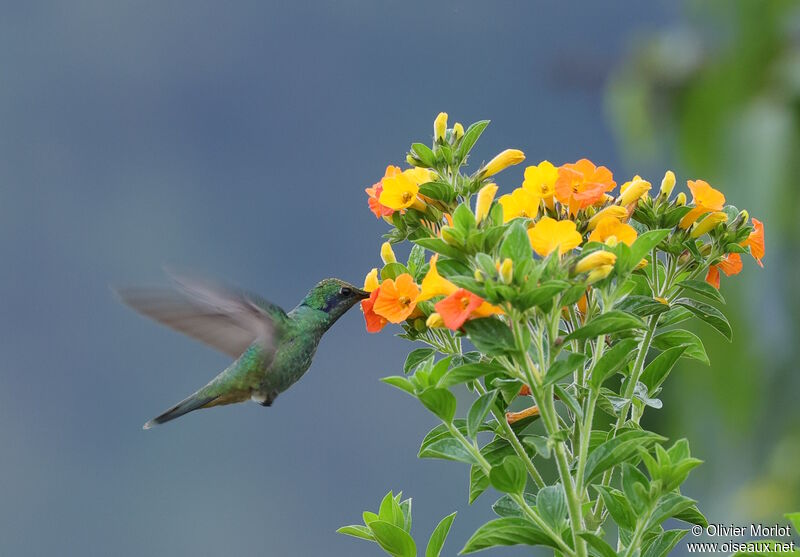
236, 139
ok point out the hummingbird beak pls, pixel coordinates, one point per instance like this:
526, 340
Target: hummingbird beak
362, 294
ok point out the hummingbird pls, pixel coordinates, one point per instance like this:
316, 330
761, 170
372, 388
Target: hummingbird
273, 348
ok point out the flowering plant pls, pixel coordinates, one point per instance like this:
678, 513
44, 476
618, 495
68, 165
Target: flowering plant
571, 294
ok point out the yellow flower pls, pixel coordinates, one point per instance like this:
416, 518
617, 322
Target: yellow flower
435, 284
484, 201
440, 126
507, 270
387, 253
549, 235
400, 190
680, 200
519, 203
611, 230
599, 273
540, 180
706, 200
458, 130
501, 161
594, 260
435, 321
371, 280
614, 211
668, 183
708, 223
630, 192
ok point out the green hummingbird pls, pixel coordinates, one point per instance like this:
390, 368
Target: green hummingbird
273, 349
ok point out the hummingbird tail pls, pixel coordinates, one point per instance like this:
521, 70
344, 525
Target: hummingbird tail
194, 402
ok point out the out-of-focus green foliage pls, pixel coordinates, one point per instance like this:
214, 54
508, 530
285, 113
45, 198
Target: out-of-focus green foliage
722, 95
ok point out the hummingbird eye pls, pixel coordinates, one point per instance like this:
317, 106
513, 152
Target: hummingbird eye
346, 291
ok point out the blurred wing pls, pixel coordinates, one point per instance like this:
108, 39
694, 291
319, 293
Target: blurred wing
227, 319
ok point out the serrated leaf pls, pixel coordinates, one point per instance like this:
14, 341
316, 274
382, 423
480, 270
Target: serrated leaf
607, 323
439, 535
491, 336
507, 531
708, 314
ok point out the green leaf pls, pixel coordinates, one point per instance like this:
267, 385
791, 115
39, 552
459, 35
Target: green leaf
709, 314
447, 449
663, 543
642, 306
509, 476
795, 520
470, 137
491, 336
694, 346
645, 243
516, 244
437, 539
507, 531
438, 190
437, 245
439, 401
357, 531
541, 294
394, 540
423, 153
478, 411
606, 323
478, 483
669, 505
564, 367
401, 383
416, 261
552, 505
393, 270
617, 450
390, 511
657, 370
618, 506
611, 361
417, 358
692, 515
463, 219
704, 289
506, 506
598, 544
468, 372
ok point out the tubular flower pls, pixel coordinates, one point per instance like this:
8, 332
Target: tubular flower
582, 184
631, 192
400, 189
440, 126
706, 200
396, 298
519, 203
458, 307
501, 161
610, 230
680, 200
594, 260
484, 201
458, 130
387, 253
613, 211
435, 321
540, 180
708, 223
371, 282
667, 183
731, 265
434, 284
375, 191
486, 309
756, 241
374, 321
548, 235
530, 412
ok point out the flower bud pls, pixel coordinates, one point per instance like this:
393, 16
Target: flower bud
740, 220
387, 253
447, 236
478, 275
708, 223
435, 321
440, 126
640, 265
501, 161
371, 280
611, 211
680, 201
419, 325
458, 131
599, 273
633, 192
594, 260
413, 161
507, 271
667, 183
484, 201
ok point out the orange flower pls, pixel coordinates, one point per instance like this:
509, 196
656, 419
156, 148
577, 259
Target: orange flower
582, 184
458, 307
397, 298
374, 321
731, 264
375, 191
756, 241
706, 200
611, 227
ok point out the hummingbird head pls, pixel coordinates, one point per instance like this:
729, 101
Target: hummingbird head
334, 297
